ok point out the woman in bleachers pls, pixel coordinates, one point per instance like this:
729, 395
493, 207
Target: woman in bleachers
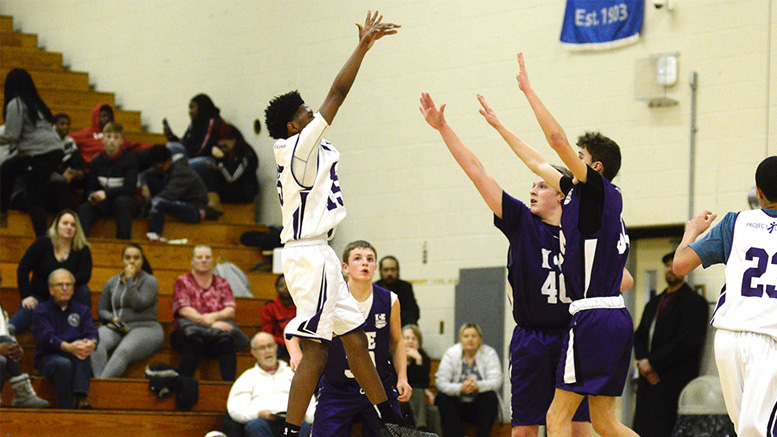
63, 246
203, 133
467, 382
128, 312
418, 366
28, 125
233, 176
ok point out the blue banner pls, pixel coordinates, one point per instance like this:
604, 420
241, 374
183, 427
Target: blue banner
602, 24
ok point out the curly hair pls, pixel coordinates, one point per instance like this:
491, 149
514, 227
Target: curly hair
280, 111
604, 150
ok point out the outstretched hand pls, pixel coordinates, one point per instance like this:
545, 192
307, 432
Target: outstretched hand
374, 30
488, 113
701, 222
435, 117
523, 76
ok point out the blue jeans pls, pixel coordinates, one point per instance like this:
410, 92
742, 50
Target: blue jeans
186, 212
67, 374
263, 428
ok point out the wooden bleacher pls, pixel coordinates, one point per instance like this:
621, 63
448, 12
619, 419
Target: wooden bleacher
123, 406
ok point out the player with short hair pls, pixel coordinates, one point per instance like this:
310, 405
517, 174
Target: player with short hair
312, 207
746, 337
596, 352
340, 399
540, 304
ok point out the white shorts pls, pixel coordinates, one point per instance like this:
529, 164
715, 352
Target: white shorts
748, 376
325, 306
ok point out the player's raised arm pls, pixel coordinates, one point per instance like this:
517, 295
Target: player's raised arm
371, 31
486, 185
528, 155
685, 258
553, 131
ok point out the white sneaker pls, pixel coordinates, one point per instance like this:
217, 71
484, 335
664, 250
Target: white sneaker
215, 434
153, 236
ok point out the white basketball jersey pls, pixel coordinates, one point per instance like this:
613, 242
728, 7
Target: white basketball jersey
309, 211
749, 302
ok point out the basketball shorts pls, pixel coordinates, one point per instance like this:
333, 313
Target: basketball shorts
325, 307
748, 377
596, 352
335, 415
534, 357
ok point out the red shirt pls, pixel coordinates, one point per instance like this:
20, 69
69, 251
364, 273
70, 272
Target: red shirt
188, 293
275, 317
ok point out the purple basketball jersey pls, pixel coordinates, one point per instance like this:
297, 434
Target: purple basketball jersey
337, 376
593, 264
539, 297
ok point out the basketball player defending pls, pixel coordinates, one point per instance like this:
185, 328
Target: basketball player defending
596, 352
340, 400
746, 338
540, 304
312, 207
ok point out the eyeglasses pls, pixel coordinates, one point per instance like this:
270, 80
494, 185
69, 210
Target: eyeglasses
62, 285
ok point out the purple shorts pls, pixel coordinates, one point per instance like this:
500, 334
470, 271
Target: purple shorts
534, 357
336, 414
596, 352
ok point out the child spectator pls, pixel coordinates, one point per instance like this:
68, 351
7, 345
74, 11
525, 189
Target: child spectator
112, 185
90, 140
70, 173
183, 194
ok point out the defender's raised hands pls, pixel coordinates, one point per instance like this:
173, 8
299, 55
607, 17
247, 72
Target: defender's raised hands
435, 117
488, 113
374, 30
523, 76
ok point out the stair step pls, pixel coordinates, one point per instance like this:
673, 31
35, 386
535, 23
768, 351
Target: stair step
30, 59
88, 99
56, 80
114, 423
132, 394
6, 23
15, 39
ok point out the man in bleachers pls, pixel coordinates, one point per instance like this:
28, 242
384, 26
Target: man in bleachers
261, 391
65, 338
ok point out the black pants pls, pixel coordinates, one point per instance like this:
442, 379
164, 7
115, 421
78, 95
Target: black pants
38, 169
193, 347
123, 208
482, 412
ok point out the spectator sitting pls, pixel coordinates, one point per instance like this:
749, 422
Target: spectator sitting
278, 313
64, 179
90, 140
259, 394
70, 172
65, 337
203, 309
28, 126
232, 179
389, 279
418, 367
183, 194
64, 246
11, 369
128, 312
467, 380
112, 185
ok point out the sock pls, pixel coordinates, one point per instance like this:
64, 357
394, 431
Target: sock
387, 413
289, 429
